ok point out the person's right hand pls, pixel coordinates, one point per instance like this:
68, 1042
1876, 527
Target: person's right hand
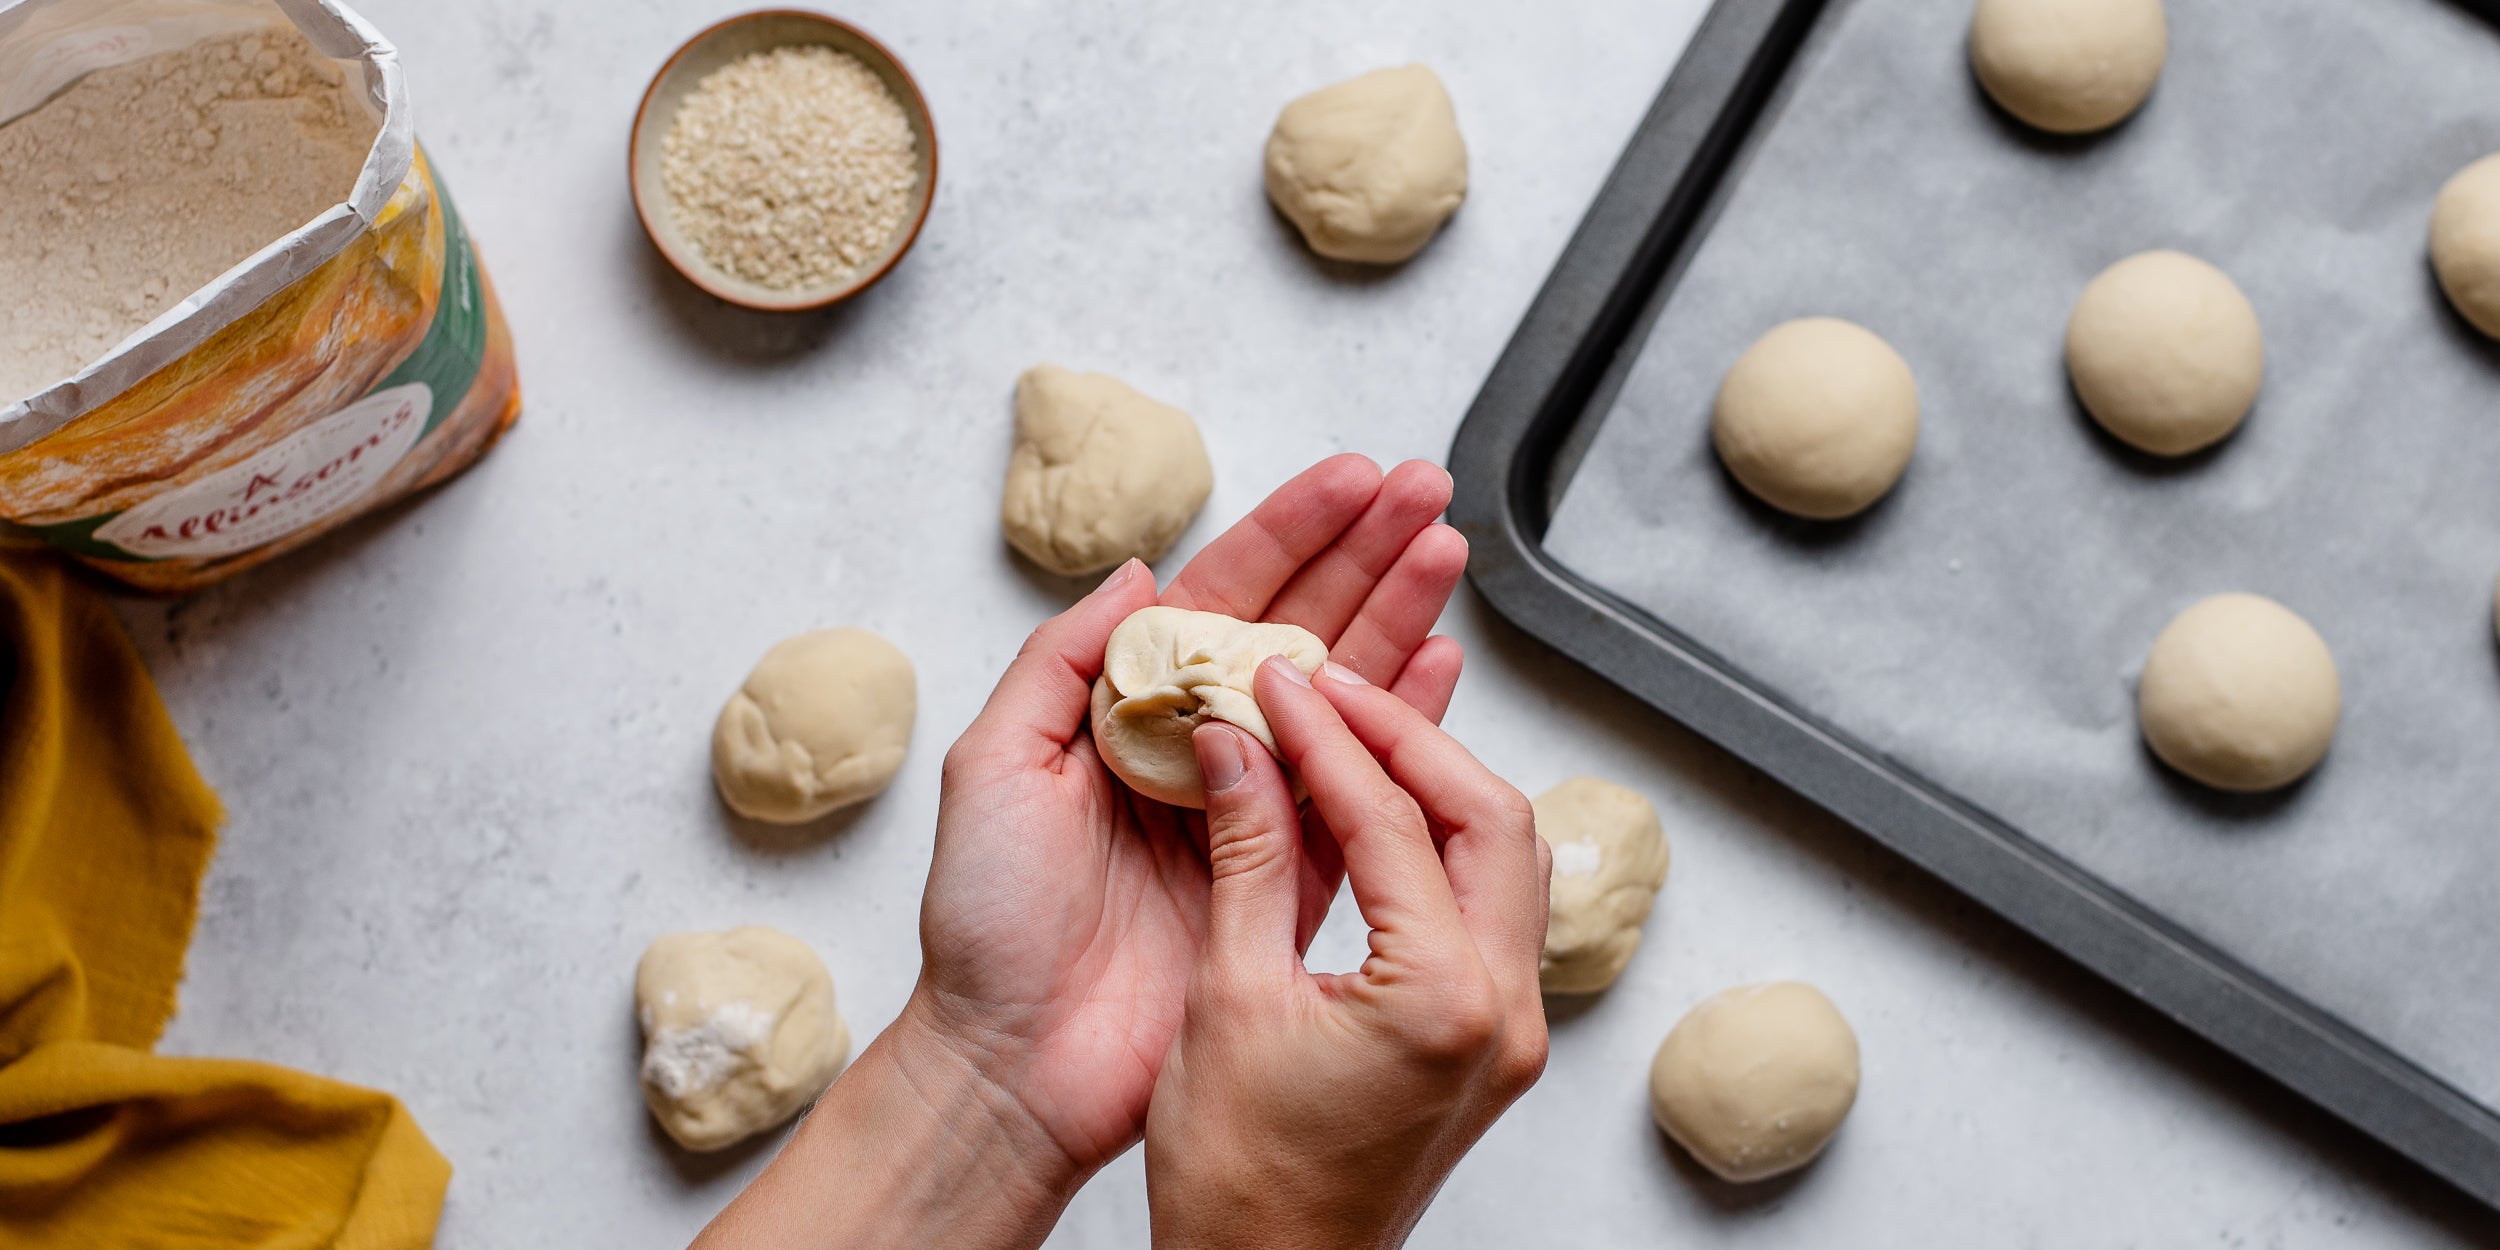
1324, 1111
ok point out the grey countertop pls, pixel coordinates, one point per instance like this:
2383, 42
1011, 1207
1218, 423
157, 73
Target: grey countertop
463, 747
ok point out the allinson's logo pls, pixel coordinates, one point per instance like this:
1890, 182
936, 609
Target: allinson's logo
282, 488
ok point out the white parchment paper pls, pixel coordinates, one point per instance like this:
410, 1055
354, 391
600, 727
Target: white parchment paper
1985, 624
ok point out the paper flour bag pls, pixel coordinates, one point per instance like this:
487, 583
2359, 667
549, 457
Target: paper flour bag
240, 308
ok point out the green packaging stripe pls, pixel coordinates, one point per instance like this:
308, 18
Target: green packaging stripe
455, 345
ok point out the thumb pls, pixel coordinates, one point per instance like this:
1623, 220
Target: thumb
1254, 849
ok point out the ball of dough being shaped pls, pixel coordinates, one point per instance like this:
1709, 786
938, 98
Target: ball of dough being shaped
2465, 243
1755, 1080
2239, 693
820, 724
1610, 858
2069, 66
1370, 167
1168, 671
1818, 418
738, 1032
2165, 352
1100, 473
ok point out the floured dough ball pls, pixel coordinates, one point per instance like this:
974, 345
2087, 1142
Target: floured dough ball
1610, 857
2165, 352
1100, 473
1370, 167
1756, 1079
2465, 243
1817, 418
820, 724
2069, 66
2239, 693
1170, 670
738, 1032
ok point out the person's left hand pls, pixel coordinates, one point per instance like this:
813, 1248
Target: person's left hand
1063, 913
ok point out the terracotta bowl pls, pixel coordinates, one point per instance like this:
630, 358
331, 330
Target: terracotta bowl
718, 46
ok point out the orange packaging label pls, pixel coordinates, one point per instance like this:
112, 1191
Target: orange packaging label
386, 369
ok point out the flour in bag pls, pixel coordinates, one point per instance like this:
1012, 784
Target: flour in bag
143, 182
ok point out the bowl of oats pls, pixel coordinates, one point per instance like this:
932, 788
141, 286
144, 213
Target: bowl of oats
783, 160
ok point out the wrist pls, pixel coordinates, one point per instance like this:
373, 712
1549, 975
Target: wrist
1244, 1206
974, 1088
915, 1145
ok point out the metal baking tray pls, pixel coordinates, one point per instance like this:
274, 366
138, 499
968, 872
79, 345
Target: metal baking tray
1600, 324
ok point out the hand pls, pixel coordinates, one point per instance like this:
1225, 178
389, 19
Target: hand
1323, 1112
1063, 915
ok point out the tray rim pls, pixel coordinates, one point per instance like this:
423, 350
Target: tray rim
1513, 453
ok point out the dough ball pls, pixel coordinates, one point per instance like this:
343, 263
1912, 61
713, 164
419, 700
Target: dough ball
2165, 352
820, 724
1610, 857
738, 1032
1817, 418
1756, 1079
1100, 473
1370, 167
2465, 243
2240, 694
2069, 66
1170, 670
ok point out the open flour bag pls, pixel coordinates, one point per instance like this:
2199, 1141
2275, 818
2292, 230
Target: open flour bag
237, 308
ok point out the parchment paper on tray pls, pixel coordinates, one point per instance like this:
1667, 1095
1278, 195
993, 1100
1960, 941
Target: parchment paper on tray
1984, 624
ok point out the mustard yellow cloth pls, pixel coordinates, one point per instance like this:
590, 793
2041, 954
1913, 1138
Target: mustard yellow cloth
104, 832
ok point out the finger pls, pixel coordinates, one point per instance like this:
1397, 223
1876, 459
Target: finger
1240, 572
1040, 704
1401, 610
1323, 870
1389, 856
1328, 591
1490, 848
1254, 850
1431, 677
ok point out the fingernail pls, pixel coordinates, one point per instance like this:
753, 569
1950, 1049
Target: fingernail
1221, 762
1120, 575
1342, 675
1291, 672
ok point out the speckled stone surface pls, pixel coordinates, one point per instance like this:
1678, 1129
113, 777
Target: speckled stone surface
463, 748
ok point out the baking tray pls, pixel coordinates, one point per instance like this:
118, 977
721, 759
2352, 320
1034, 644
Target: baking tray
1602, 322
